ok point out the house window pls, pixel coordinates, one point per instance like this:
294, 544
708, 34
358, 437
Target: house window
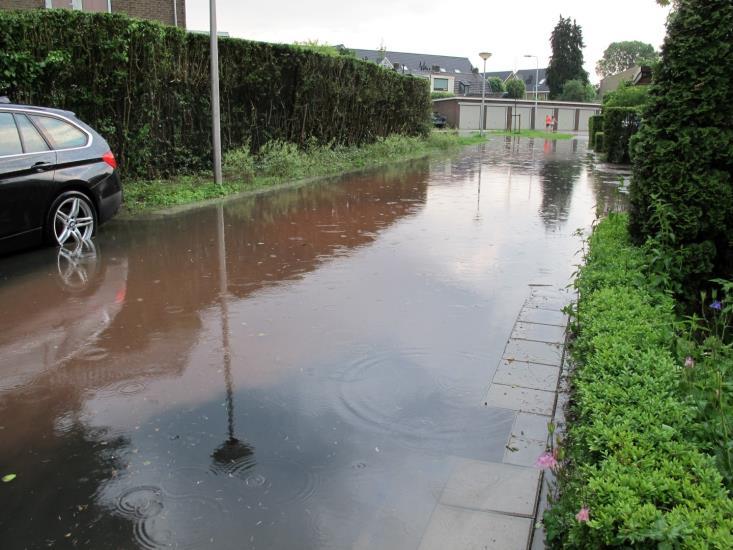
440, 84
104, 6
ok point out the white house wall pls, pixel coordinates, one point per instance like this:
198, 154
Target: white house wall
469, 117
526, 117
495, 117
543, 113
585, 115
566, 119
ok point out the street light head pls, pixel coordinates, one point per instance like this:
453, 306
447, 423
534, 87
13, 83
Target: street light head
529, 55
484, 55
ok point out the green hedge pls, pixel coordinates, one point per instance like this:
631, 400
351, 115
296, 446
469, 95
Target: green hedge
145, 87
598, 143
626, 456
595, 125
619, 125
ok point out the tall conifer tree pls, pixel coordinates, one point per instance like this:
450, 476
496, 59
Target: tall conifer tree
566, 62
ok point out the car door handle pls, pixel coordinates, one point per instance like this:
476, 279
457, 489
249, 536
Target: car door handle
41, 166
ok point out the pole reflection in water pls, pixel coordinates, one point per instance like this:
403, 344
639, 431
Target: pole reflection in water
478, 194
232, 454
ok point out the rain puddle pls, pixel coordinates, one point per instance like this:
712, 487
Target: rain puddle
300, 369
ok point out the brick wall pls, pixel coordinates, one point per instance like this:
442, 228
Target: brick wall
21, 4
158, 10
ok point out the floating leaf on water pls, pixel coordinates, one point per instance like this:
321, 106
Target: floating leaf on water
9, 477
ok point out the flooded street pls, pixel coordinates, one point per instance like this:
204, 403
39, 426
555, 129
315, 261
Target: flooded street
299, 369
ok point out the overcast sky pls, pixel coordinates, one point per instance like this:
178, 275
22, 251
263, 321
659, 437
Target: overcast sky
507, 29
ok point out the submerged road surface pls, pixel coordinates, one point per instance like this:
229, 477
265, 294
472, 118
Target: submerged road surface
299, 369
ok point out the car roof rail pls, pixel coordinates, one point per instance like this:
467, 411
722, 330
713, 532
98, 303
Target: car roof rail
4, 99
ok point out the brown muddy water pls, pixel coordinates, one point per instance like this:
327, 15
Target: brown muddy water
299, 369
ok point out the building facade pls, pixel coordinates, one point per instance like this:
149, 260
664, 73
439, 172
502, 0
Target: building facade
448, 74
465, 113
169, 12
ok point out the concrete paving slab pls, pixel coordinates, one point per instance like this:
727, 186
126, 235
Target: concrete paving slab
533, 352
457, 528
492, 487
543, 316
520, 399
549, 299
531, 426
527, 375
538, 533
523, 452
540, 333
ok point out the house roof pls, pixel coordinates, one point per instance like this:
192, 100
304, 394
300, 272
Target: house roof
501, 74
528, 75
419, 63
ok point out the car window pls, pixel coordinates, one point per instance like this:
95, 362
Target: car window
32, 140
62, 134
9, 137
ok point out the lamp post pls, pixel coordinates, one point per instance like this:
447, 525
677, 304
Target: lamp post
536, 84
215, 113
482, 122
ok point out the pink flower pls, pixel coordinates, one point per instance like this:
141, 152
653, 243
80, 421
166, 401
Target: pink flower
583, 515
689, 362
545, 461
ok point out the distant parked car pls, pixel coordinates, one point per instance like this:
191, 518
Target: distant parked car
58, 178
439, 121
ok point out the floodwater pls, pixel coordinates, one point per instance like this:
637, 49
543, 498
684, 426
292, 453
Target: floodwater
299, 369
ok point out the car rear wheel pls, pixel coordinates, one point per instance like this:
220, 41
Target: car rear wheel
72, 219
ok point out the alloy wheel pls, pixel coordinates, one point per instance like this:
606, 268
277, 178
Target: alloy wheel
73, 219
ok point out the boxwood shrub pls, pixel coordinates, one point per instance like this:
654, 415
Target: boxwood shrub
626, 456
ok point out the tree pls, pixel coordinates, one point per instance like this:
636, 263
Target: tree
496, 85
325, 49
515, 88
620, 56
627, 95
575, 90
682, 189
566, 62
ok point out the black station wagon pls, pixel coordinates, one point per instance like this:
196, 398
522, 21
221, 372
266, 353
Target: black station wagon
58, 178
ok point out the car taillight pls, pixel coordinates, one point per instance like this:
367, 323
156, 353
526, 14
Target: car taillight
109, 158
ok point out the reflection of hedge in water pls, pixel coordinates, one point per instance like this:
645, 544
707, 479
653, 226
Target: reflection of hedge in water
145, 87
399, 182
558, 178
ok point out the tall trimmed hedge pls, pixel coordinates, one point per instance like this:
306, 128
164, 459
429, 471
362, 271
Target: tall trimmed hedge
145, 87
619, 125
682, 189
595, 125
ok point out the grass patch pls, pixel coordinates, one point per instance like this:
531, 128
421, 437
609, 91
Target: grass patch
628, 456
538, 134
280, 162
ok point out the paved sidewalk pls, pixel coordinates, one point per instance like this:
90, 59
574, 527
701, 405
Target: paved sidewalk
491, 505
